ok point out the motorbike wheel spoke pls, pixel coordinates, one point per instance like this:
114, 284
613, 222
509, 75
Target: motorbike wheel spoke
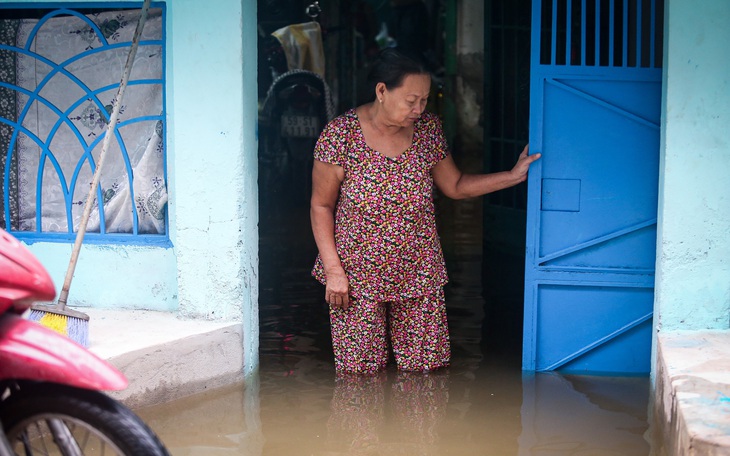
64, 438
27, 442
61, 436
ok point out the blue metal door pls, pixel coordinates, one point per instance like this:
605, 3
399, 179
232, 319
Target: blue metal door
591, 212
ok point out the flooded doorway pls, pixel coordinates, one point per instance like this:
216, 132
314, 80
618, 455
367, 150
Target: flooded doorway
482, 404
489, 231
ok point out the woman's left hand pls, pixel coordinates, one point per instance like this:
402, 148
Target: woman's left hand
519, 171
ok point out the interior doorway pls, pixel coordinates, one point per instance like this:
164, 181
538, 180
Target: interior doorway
506, 122
483, 239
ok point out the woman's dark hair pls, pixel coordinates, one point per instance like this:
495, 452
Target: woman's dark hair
392, 66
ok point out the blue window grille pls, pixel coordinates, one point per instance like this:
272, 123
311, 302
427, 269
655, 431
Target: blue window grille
60, 69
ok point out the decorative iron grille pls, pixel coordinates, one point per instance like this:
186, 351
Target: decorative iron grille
60, 70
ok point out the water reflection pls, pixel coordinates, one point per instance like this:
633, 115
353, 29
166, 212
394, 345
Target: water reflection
226, 421
357, 414
491, 410
580, 415
364, 408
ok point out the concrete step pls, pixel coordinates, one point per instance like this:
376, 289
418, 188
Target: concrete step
692, 401
166, 357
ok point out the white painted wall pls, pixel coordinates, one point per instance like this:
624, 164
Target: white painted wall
693, 243
210, 269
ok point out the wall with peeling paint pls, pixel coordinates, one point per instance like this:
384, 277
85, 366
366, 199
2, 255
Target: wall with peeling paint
693, 245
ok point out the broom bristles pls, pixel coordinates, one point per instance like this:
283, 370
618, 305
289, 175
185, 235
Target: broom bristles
76, 329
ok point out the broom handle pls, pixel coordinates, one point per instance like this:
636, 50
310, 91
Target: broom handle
63, 296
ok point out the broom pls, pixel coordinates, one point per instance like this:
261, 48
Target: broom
57, 317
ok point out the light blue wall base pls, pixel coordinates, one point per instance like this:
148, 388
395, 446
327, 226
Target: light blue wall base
693, 245
114, 277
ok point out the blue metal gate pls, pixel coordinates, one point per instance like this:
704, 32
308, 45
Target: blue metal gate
591, 212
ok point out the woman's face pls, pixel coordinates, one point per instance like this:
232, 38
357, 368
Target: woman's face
403, 105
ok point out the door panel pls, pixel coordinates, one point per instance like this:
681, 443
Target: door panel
591, 215
612, 161
606, 321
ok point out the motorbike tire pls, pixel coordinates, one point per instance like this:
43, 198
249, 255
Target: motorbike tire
97, 423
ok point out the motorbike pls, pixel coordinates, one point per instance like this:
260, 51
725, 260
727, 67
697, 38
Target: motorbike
51, 388
296, 109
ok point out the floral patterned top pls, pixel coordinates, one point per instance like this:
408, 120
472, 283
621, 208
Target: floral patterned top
385, 226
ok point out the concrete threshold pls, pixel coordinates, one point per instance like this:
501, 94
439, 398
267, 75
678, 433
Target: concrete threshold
692, 402
166, 357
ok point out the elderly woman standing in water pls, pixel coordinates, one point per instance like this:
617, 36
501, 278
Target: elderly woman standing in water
373, 220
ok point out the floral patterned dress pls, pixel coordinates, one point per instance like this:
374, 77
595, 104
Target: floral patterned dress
386, 238
385, 225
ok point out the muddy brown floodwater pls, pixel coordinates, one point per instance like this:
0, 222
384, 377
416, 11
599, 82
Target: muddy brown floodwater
482, 405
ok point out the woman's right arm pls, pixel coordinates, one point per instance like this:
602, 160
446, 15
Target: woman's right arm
326, 181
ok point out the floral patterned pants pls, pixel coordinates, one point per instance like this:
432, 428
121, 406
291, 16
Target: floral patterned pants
417, 327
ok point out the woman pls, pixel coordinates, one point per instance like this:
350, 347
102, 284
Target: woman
373, 220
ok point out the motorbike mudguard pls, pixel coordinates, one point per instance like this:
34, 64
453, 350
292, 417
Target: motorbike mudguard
32, 352
23, 279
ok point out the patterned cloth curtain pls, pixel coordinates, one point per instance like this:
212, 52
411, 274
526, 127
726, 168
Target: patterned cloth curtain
8, 32
75, 74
